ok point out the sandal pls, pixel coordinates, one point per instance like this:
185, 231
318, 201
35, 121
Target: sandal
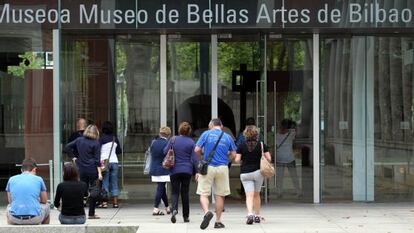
103, 205
157, 212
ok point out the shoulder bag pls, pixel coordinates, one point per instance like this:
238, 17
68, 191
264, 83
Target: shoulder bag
169, 159
202, 166
266, 168
147, 159
105, 162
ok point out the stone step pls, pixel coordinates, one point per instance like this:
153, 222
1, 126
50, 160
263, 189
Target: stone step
69, 229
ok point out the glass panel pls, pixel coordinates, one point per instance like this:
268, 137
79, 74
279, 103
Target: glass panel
26, 96
137, 61
188, 84
346, 155
239, 67
289, 116
336, 111
393, 105
115, 79
86, 81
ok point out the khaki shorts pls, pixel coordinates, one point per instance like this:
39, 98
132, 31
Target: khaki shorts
45, 211
216, 178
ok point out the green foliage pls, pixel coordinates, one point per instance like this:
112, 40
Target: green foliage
29, 62
232, 54
184, 57
293, 107
121, 60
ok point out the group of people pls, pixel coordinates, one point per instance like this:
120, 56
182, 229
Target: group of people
88, 151
221, 149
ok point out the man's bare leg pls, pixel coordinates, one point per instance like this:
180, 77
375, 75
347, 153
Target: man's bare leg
204, 202
219, 207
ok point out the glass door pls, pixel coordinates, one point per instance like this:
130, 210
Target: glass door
189, 82
137, 88
239, 60
289, 116
189, 85
115, 78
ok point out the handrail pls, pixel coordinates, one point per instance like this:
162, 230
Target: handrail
51, 179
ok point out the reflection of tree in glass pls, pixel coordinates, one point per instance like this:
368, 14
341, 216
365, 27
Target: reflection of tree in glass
184, 56
29, 60
232, 54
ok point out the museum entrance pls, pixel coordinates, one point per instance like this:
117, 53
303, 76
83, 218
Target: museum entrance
117, 77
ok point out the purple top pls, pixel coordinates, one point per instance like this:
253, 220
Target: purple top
185, 157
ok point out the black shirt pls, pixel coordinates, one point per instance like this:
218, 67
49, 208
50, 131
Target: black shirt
72, 193
250, 159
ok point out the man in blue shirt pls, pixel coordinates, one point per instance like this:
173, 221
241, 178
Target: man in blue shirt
27, 197
218, 171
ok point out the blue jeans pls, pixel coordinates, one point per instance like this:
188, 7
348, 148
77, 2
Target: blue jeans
111, 176
161, 194
81, 219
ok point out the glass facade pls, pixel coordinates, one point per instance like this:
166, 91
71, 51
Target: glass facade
367, 118
113, 64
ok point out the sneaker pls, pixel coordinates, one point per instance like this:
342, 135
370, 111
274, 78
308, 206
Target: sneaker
257, 219
173, 219
206, 220
186, 219
250, 219
218, 225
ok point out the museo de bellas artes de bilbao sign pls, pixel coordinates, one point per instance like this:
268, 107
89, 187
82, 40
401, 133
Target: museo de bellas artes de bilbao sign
159, 14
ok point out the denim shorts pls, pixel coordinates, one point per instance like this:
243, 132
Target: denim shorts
252, 181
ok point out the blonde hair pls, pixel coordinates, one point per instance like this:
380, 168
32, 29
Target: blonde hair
250, 132
91, 132
165, 131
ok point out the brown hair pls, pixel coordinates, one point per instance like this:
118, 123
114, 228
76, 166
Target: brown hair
184, 129
28, 165
70, 172
250, 132
91, 132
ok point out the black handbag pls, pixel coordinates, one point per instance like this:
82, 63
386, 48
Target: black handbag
202, 165
96, 191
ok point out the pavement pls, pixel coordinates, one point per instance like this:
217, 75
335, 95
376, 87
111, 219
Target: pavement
279, 217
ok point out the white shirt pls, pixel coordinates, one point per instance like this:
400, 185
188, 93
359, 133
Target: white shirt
105, 152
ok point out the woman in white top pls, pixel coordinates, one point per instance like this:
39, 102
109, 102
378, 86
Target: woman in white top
285, 157
110, 148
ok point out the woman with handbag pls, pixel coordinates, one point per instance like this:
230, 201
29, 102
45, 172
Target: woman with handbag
110, 148
158, 173
250, 154
88, 161
71, 191
180, 174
